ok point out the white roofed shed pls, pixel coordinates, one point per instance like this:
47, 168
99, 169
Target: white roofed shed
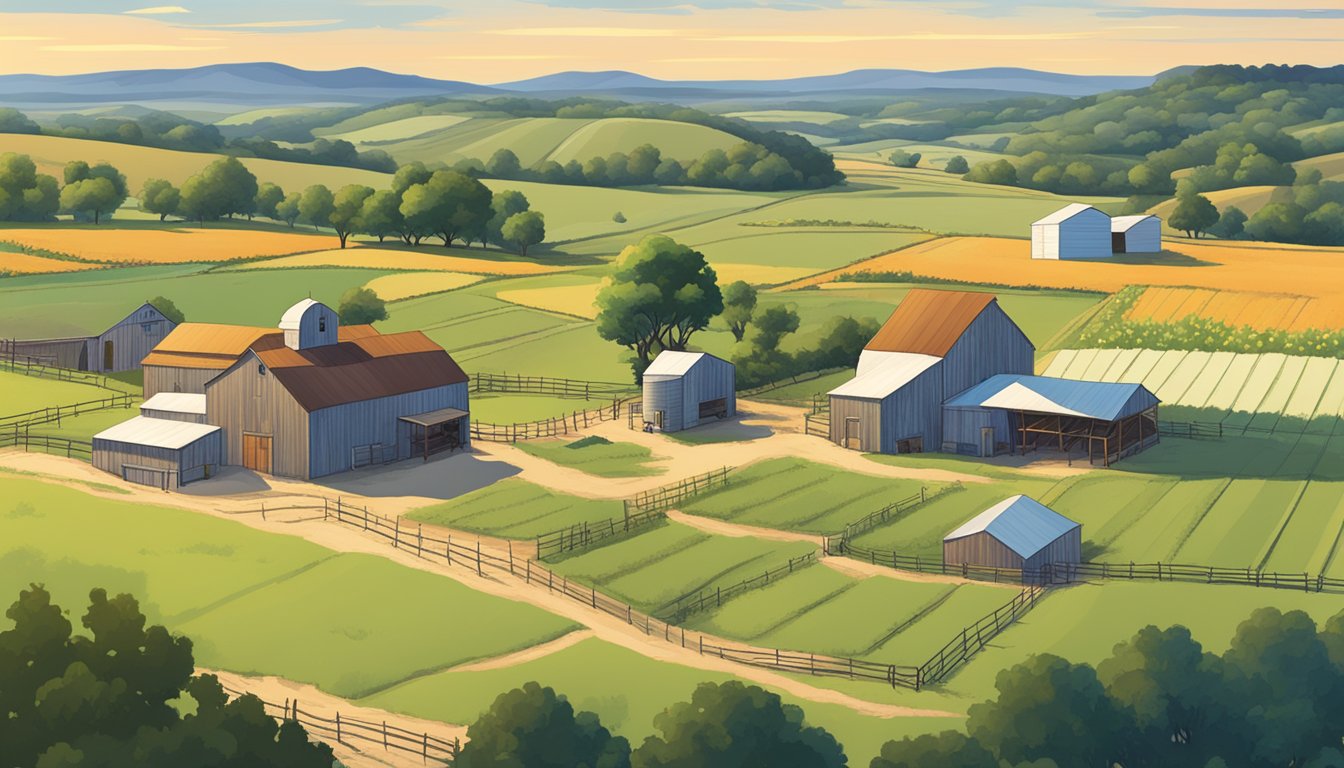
160, 452
1076, 231
1018, 533
685, 389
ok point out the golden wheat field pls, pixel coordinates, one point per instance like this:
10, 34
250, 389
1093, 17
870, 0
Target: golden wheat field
387, 258
164, 246
566, 299
1257, 310
406, 285
28, 264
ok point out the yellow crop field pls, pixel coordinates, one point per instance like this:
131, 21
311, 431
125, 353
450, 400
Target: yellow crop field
406, 285
27, 264
565, 299
386, 258
1258, 310
164, 246
759, 274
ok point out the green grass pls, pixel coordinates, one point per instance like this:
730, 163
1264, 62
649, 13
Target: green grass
517, 408
681, 141
254, 602
20, 393
86, 425
799, 495
761, 611
804, 392
514, 508
595, 456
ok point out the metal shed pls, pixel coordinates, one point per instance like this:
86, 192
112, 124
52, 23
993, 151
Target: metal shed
1109, 420
159, 452
1018, 533
1136, 234
175, 406
1076, 231
685, 389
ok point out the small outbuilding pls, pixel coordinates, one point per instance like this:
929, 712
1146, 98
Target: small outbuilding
162, 453
685, 389
1136, 234
96, 338
1018, 533
1076, 231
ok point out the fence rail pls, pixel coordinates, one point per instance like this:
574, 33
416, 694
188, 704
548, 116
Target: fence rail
553, 427
788, 381
588, 535
668, 496
60, 446
678, 610
974, 638
343, 729
27, 419
544, 385
32, 367
1193, 430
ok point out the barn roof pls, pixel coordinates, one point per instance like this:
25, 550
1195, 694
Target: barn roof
886, 375
176, 402
1065, 213
156, 433
57, 320
673, 363
363, 368
1020, 523
1126, 223
216, 347
1106, 401
929, 322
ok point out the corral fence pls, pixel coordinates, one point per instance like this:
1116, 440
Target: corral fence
974, 638
535, 575
545, 385
33, 366
18, 421
817, 422
789, 381
668, 496
344, 729
837, 543
1190, 430
678, 610
557, 426
57, 446
583, 536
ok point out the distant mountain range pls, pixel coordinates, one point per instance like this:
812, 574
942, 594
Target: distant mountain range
270, 84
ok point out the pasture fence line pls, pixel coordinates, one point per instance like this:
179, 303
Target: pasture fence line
52, 444
680, 609
17, 421
1190, 430
537, 576
835, 543
545, 385
32, 366
817, 422
668, 496
975, 637
788, 381
581, 536
344, 729
557, 426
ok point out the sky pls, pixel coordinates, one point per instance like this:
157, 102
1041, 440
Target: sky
496, 41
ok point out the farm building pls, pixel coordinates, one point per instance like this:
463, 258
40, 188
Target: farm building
307, 400
1018, 533
1076, 231
951, 372
1025, 413
934, 345
95, 346
683, 389
1136, 234
163, 453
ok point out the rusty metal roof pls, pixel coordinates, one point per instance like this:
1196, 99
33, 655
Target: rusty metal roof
929, 322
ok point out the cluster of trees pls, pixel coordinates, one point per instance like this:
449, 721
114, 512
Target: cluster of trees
759, 356
1275, 697
1109, 328
25, 194
1311, 212
126, 694
743, 166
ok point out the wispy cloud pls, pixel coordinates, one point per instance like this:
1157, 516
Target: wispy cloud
589, 32
1142, 11
288, 24
157, 10
126, 48
497, 57
23, 38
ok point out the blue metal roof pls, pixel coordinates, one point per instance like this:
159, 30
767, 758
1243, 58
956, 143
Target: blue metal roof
1107, 401
1020, 523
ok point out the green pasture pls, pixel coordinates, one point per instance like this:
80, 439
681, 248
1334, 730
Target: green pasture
817, 249
799, 495
514, 508
20, 393
518, 408
788, 116
86, 425
254, 602
685, 142
804, 392
595, 456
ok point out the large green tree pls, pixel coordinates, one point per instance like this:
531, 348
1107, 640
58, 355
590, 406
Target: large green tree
268, 197
503, 204
448, 205
359, 306
533, 727
739, 304
316, 204
381, 215
524, 230
25, 194
732, 725
225, 187
347, 207
92, 190
161, 197
1194, 213
659, 294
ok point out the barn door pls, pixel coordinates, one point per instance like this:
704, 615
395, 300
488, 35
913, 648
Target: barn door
108, 357
986, 441
257, 453
853, 440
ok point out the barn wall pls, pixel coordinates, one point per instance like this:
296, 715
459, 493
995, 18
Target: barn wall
1065, 549
244, 400
336, 431
193, 418
709, 379
62, 353
980, 549
666, 394
132, 339
1086, 235
162, 378
182, 464
992, 344
1144, 237
869, 414
1045, 241
914, 410
962, 425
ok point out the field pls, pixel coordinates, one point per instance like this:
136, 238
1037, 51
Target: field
1257, 310
511, 408
595, 456
13, 261
20, 393
408, 285
515, 509
457, 260
405, 128
798, 495
788, 116
162, 245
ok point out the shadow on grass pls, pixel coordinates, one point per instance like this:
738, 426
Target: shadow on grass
1163, 259
443, 477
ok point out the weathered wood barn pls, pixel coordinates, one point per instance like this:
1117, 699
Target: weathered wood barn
934, 345
87, 342
1076, 231
1018, 533
1136, 234
312, 398
163, 453
685, 389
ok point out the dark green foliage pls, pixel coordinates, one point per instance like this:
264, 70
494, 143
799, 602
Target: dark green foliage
223, 188
268, 197
1231, 223
1310, 212
763, 361
25, 194
109, 698
1193, 215
584, 442
503, 164
449, 205
14, 121
169, 309
618, 217
993, 172
902, 159
948, 749
533, 727
524, 230
956, 164
159, 196
360, 306
732, 725
92, 191
739, 304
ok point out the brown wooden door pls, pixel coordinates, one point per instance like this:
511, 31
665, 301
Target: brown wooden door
853, 441
109, 359
257, 453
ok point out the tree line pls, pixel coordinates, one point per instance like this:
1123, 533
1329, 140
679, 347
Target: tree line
1310, 211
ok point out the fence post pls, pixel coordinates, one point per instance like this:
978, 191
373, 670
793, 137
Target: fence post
448, 549
338, 727
479, 572
419, 539
511, 558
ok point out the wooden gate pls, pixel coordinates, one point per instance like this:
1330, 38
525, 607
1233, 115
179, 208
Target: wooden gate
853, 428
257, 453
109, 358
151, 476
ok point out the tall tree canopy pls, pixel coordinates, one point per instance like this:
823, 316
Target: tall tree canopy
92, 190
223, 188
533, 727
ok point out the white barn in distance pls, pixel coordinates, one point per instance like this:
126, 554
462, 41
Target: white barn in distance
1076, 231
1136, 234
685, 389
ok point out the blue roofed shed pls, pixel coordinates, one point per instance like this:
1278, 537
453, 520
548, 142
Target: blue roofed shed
1018, 413
1018, 533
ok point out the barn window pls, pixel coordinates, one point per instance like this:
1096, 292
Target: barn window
321, 323
148, 328
261, 369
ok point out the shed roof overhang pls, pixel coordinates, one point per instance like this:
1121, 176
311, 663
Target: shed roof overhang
434, 418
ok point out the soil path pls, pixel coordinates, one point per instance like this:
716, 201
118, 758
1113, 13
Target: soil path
527, 654
738, 531
343, 538
861, 570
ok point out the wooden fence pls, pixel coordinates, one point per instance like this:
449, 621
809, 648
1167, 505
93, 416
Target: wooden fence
974, 638
669, 496
583, 536
553, 427
17, 421
31, 367
57, 446
345, 729
1192, 430
678, 610
788, 381
835, 543
544, 385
